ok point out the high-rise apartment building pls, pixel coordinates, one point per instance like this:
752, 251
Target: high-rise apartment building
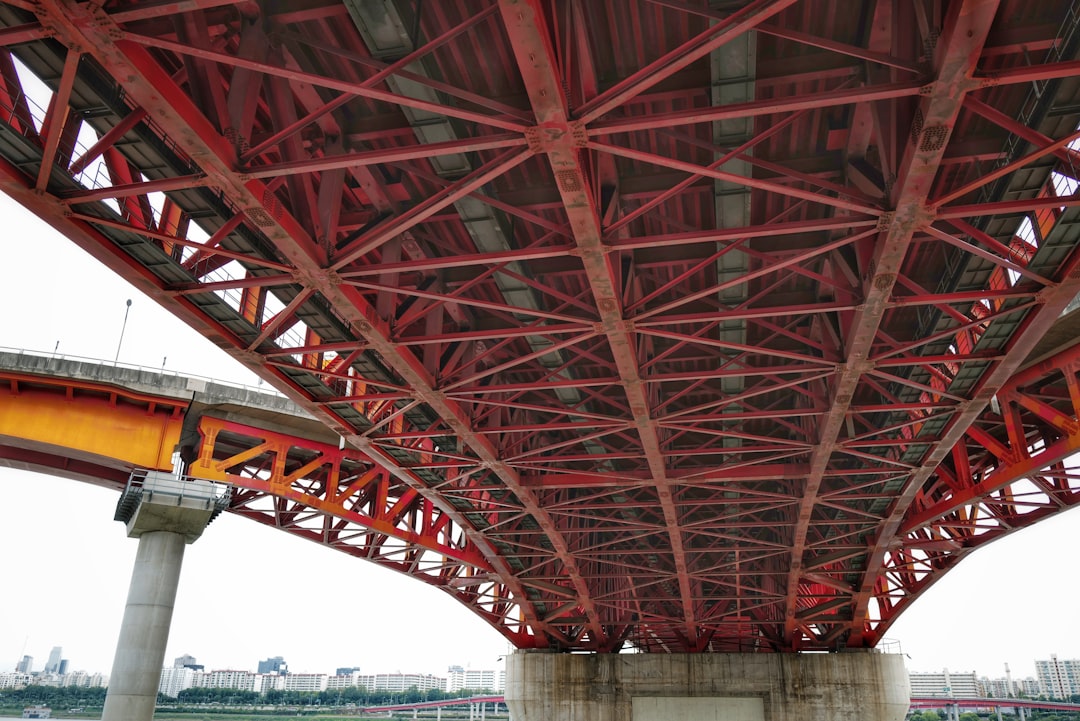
1059, 678
53, 664
401, 682
1001, 687
945, 684
313, 682
227, 678
14, 679
175, 679
475, 679
26, 665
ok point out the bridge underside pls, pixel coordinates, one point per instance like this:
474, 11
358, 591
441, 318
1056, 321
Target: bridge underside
705, 326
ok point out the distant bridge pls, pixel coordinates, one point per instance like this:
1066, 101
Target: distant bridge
940, 702
927, 702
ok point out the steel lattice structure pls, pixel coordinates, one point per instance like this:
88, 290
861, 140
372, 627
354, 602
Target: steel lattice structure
705, 326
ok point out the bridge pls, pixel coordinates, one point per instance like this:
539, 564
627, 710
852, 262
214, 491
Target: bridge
699, 327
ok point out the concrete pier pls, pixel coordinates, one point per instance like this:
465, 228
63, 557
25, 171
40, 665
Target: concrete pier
861, 686
165, 513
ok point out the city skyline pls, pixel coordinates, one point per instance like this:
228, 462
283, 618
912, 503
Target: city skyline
319, 608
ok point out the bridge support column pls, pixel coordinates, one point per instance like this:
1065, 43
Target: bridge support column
860, 686
164, 513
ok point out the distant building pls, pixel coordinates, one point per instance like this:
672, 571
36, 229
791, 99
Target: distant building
312, 682
227, 678
349, 679
459, 678
63, 666
944, 684
187, 661
175, 679
14, 679
1059, 678
271, 682
1030, 687
274, 665
53, 664
401, 682
998, 687
26, 665
345, 670
87, 680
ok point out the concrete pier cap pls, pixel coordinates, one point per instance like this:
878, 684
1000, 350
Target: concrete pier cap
164, 502
850, 686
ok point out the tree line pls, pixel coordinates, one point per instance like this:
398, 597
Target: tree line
357, 695
65, 697
54, 696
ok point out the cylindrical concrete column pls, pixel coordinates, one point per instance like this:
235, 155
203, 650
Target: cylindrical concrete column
140, 650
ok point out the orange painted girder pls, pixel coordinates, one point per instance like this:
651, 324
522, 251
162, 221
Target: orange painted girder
107, 423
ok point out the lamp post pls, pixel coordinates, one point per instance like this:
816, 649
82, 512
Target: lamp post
122, 329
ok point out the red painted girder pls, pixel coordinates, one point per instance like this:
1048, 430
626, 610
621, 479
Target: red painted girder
1031, 135
527, 30
1053, 301
387, 155
107, 141
771, 186
56, 117
165, 237
765, 270
154, 90
465, 260
989, 510
255, 281
956, 57
300, 76
585, 479
1007, 207
972, 296
984, 178
158, 10
756, 108
138, 188
417, 214
719, 235
829, 44
1031, 73
1020, 465
384, 71
995, 258
727, 29
23, 34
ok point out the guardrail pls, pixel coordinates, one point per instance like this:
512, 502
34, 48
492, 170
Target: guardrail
266, 389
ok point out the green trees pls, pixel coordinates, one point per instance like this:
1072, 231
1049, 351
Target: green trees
59, 697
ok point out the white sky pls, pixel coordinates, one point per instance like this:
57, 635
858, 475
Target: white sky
248, 591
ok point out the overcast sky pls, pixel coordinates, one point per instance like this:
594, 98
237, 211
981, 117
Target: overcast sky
248, 592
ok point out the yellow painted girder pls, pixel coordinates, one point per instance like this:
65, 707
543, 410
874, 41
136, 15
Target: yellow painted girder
142, 434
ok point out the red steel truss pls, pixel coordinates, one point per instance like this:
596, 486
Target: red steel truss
707, 325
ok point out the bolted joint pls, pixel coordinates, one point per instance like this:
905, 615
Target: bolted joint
554, 137
317, 279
